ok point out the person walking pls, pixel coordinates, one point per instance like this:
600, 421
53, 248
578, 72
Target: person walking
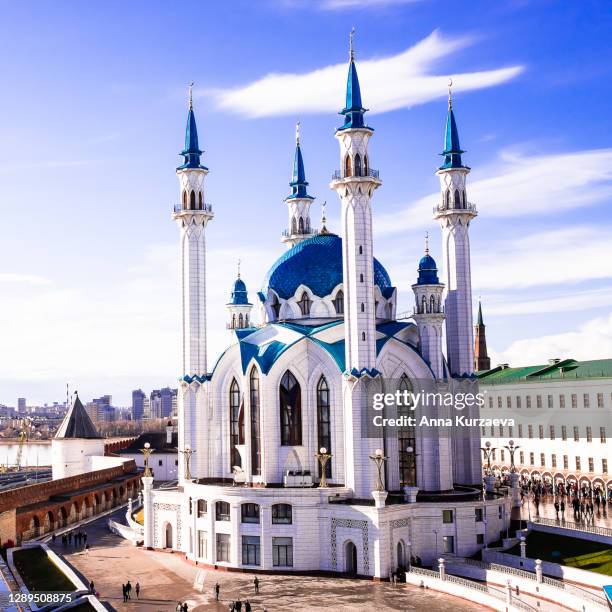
238, 606
562, 506
138, 590
128, 589
124, 589
53, 537
185, 607
256, 584
85, 537
91, 586
179, 607
556, 505
247, 606
217, 589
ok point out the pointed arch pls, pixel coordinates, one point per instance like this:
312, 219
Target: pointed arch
457, 199
192, 200
324, 422
305, 303
406, 440
235, 405
365, 165
290, 401
347, 166
301, 226
339, 302
357, 165
234, 321
240, 321
447, 198
275, 305
293, 225
184, 198
423, 304
432, 303
255, 422
200, 200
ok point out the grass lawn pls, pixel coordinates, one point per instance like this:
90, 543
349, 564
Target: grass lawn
591, 556
139, 516
40, 573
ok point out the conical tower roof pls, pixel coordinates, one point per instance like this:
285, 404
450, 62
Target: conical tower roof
77, 424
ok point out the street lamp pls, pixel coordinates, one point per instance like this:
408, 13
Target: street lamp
488, 451
484, 520
187, 452
436, 532
379, 459
323, 456
511, 448
146, 451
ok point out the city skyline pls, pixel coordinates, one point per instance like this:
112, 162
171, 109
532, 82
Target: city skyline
97, 247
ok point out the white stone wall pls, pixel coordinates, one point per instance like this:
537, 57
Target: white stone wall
72, 456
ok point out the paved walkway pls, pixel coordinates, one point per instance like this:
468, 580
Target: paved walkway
547, 510
166, 578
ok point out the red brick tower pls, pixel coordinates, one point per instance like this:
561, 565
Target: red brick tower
481, 359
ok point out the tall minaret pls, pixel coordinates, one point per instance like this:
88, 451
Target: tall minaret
298, 201
429, 312
481, 358
455, 213
355, 185
239, 308
192, 216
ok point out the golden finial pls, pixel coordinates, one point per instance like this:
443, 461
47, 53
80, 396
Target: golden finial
351, 50
450, 93
238, 267
323, 218
426, 243
297, 133
191, 95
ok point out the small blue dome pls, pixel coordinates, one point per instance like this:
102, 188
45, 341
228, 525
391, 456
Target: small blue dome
239, 293
317, 264
428, 271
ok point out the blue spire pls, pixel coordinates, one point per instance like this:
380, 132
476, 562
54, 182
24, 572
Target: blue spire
452, 149
239, 292
428, 270
299, 183
353, 110
192, 151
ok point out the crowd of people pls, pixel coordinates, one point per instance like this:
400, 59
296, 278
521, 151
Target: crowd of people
78, 539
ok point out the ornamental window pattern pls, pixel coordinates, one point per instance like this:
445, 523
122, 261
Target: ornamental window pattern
290, 400
406, 441
236, 424
324, 422
255, 422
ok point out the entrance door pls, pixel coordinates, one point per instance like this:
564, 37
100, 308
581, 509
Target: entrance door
401, 555
168, 535
350, 558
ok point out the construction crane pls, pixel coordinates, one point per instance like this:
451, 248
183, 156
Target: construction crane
23, 438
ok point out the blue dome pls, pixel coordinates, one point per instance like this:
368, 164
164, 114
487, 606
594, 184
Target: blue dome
239, 293
317, 264
428, 271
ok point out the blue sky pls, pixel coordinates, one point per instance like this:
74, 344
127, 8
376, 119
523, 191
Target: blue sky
92, 117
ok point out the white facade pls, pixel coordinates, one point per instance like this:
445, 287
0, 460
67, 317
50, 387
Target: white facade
72, 456
302, 381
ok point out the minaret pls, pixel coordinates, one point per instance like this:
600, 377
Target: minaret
192, 217
238, 307
429, 312
454, 213
355, 184
481, 358
298, 201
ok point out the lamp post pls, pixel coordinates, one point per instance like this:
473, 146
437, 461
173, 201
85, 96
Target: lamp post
379, 460
436, 532
511, 448
323, 456
187, 452
147, 451
488, 451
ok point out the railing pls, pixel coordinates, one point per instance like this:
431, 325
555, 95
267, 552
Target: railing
421, 571
306, 231
605, 531
338, 175
469, 207
178, 208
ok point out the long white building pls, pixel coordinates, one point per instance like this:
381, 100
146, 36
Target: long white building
299, 384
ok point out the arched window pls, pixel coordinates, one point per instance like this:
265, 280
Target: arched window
363, 336
324, 422
234, 321
389, 310
275, 305
184, 199
357, 165
457, 199
360, 250
432, 303
255, 429
192, 201
301, 226
293, 226
361, 278
447, 198
362, 307
365, 165
290, 410
200, 200
406, 441
339, 302
235, 405
423, 305
282, 514
246, 319
347, 166
240, 321
305, 303
202, 508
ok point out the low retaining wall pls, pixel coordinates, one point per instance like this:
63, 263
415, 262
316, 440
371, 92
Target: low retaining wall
603, 535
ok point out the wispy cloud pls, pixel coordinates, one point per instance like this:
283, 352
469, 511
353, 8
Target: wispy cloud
23, 279
390, 83
592, 340
518, 184
334, 5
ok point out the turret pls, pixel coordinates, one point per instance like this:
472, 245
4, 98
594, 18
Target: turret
298, 201
239, 307
481, 358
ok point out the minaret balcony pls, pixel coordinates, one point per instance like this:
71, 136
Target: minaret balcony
309, 231
200, 208
370, 173
444, 209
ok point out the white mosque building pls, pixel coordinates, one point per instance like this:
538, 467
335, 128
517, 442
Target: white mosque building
296, 386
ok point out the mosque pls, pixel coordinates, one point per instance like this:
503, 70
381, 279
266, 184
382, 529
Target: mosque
276, 469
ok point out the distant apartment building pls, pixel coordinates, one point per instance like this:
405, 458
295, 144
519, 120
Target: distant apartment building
163, 402
21, 404
138, 400
101, 409
563, 419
